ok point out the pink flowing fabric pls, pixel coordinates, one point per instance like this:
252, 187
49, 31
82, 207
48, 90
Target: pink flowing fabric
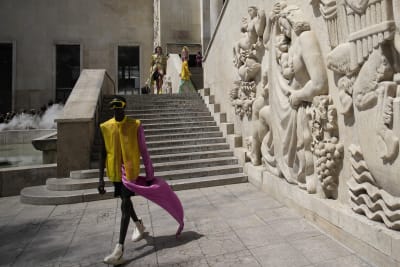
160, 193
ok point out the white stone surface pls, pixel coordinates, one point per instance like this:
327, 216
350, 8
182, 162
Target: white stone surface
354, 66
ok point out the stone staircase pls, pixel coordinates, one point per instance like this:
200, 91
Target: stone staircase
185, 144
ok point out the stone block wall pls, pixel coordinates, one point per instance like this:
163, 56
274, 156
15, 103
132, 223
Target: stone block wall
313, 88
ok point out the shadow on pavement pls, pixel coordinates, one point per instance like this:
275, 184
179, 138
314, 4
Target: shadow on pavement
162, 242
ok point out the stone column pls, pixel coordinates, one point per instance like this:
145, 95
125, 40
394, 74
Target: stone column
156, 24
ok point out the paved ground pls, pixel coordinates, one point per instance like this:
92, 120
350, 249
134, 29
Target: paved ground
234, 225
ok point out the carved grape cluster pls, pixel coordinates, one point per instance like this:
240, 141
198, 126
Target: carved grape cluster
329, 154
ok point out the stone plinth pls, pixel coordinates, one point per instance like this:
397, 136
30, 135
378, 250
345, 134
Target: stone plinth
77, 126
48, 145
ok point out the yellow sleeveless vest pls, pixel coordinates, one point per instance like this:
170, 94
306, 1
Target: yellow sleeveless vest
185, 72
122, 146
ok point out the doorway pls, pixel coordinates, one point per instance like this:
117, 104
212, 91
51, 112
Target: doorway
128, 69
68, 68
6, 77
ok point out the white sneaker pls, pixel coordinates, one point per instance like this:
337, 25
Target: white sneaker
115, 258
138, 230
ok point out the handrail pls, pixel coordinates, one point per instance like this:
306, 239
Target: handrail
221, 14
113, 82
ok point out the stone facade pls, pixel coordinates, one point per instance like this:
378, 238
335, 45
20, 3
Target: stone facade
324, 114
35, 27
98, 26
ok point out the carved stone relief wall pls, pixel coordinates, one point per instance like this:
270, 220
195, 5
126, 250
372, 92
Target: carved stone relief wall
366, 196
247, 58
366, 66
314, 107
294, 121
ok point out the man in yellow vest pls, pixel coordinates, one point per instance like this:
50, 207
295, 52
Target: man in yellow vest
123, 143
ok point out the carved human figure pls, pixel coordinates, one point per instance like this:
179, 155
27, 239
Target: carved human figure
258, 132
296, 75
158, 68
245, 51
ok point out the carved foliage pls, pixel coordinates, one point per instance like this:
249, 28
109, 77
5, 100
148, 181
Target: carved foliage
246, 58
242, 97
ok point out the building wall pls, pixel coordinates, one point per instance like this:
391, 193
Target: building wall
367, 175
99, 26
180, 22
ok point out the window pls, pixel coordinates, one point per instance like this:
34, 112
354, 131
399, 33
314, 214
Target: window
6, 73
68, 62
128, 69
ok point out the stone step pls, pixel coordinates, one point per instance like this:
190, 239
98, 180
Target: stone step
166, 137
68, 184
41, 195
185, 142
168, 115
151, 106
175, 120
200, 172
171, 174
173, 143
208, 181
190, 164
140, 112
152, 97
179, 125
105, 115
183, 156
170, 166
188, 149
181, 130
178, 149
164, 101
171, 119
191, 156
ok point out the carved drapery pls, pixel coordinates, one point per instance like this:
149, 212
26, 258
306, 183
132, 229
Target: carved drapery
297, 99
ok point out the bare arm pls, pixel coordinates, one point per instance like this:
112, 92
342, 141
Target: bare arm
270, 21
260, 23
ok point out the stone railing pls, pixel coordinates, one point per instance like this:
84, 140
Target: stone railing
76, 127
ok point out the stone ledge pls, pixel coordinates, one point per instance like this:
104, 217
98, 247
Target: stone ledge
13, 180
372, 240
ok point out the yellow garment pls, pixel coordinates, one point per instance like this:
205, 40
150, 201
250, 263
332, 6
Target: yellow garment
185, 72
122, 146
158, 62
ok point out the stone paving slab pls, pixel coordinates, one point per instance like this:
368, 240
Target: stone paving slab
232, 225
